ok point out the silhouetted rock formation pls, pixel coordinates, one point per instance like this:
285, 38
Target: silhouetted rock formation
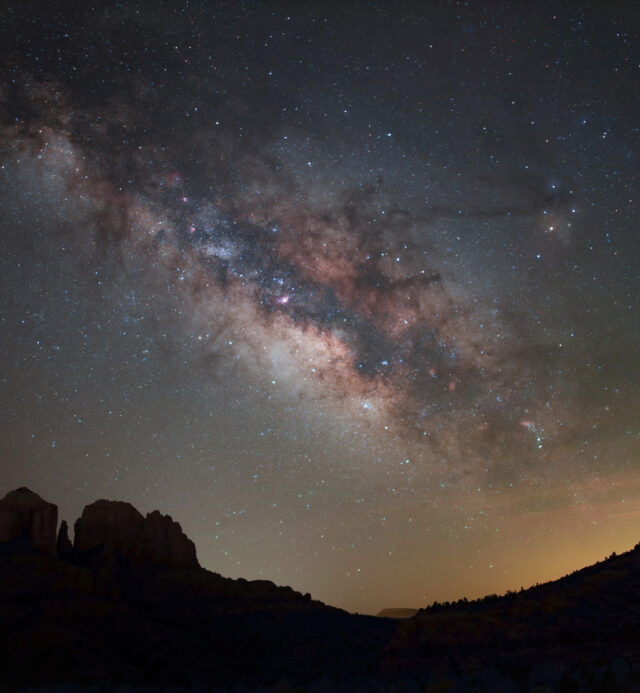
64, 546
130, 605
105, 523
162, 543
24, 514
110, 532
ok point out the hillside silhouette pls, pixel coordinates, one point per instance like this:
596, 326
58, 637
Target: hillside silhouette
127, 604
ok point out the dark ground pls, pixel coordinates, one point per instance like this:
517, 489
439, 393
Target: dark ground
65, 627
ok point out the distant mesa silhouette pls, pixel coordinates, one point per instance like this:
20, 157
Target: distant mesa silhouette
397, 613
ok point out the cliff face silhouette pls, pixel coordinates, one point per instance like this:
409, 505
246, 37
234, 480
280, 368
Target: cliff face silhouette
128, 603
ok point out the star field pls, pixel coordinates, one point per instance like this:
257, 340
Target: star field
351, 292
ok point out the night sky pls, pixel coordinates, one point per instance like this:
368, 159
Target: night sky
351, 291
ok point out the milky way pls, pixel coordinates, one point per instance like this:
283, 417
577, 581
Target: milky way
408, 261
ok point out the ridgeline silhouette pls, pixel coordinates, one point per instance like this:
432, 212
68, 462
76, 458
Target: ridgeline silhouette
127, 604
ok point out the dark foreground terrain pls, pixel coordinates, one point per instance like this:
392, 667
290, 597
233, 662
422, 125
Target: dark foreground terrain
128, 608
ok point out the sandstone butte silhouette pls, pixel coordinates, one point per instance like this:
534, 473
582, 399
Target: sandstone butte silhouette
127, 605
